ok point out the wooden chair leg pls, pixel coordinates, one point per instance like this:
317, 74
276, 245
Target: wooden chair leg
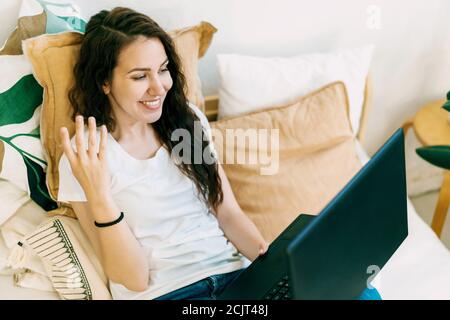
440, 212
407, 124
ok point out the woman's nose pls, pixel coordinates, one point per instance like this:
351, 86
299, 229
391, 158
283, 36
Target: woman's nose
156, 88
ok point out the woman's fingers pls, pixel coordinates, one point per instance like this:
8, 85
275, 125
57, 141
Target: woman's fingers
79, 137
103, 142
263, 248
67, 147
92, 145
81, 151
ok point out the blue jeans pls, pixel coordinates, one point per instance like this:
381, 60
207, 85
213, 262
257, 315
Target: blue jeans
212, 286
205, 289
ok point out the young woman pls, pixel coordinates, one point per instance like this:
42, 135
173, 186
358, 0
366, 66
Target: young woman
156, 223
164, 225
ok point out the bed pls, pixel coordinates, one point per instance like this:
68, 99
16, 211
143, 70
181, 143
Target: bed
419, 269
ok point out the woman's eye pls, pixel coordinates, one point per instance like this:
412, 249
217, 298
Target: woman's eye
164, 70
139, 77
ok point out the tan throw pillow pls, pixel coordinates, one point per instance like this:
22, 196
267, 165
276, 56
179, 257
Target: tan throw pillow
316, 158
191, 44
53, 58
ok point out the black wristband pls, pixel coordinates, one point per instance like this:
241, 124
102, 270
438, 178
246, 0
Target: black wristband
108, 224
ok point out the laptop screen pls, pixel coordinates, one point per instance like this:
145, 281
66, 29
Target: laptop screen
338, 253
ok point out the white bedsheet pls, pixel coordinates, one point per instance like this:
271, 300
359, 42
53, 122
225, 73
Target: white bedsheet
8, 291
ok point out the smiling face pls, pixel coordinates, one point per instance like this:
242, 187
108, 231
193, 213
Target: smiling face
140, 82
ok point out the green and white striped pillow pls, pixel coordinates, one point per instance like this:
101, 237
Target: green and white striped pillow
39, 17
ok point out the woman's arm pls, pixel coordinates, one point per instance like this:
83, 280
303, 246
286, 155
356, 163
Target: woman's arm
121, 255
123, 259
238, 228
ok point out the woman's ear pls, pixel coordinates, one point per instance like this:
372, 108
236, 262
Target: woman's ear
106, 88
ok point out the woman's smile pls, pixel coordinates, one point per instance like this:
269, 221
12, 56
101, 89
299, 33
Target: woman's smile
151, 104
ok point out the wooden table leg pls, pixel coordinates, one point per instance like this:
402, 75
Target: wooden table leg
440, 212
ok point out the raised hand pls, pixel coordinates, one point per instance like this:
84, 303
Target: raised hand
89, 167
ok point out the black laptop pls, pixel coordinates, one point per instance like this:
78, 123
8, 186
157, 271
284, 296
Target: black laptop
333, 255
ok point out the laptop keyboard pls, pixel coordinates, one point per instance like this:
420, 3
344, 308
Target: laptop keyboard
280, 291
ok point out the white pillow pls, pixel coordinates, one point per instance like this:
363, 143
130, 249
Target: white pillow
249, 83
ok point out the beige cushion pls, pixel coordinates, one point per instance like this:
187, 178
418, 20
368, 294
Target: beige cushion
55, 255
69, 259
191, 44
53, 58
317, 158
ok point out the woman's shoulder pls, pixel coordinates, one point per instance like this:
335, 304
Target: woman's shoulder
195, 108
199, 113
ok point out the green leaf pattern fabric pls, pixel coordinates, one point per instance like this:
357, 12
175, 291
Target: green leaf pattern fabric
39, 16
22, 158
23, 162
61, 17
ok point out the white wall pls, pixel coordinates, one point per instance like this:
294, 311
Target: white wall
410, 65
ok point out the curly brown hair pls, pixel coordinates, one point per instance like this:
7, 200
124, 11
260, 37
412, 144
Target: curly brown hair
107, 33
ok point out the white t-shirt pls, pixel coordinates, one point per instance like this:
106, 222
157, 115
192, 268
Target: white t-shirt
182, 239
